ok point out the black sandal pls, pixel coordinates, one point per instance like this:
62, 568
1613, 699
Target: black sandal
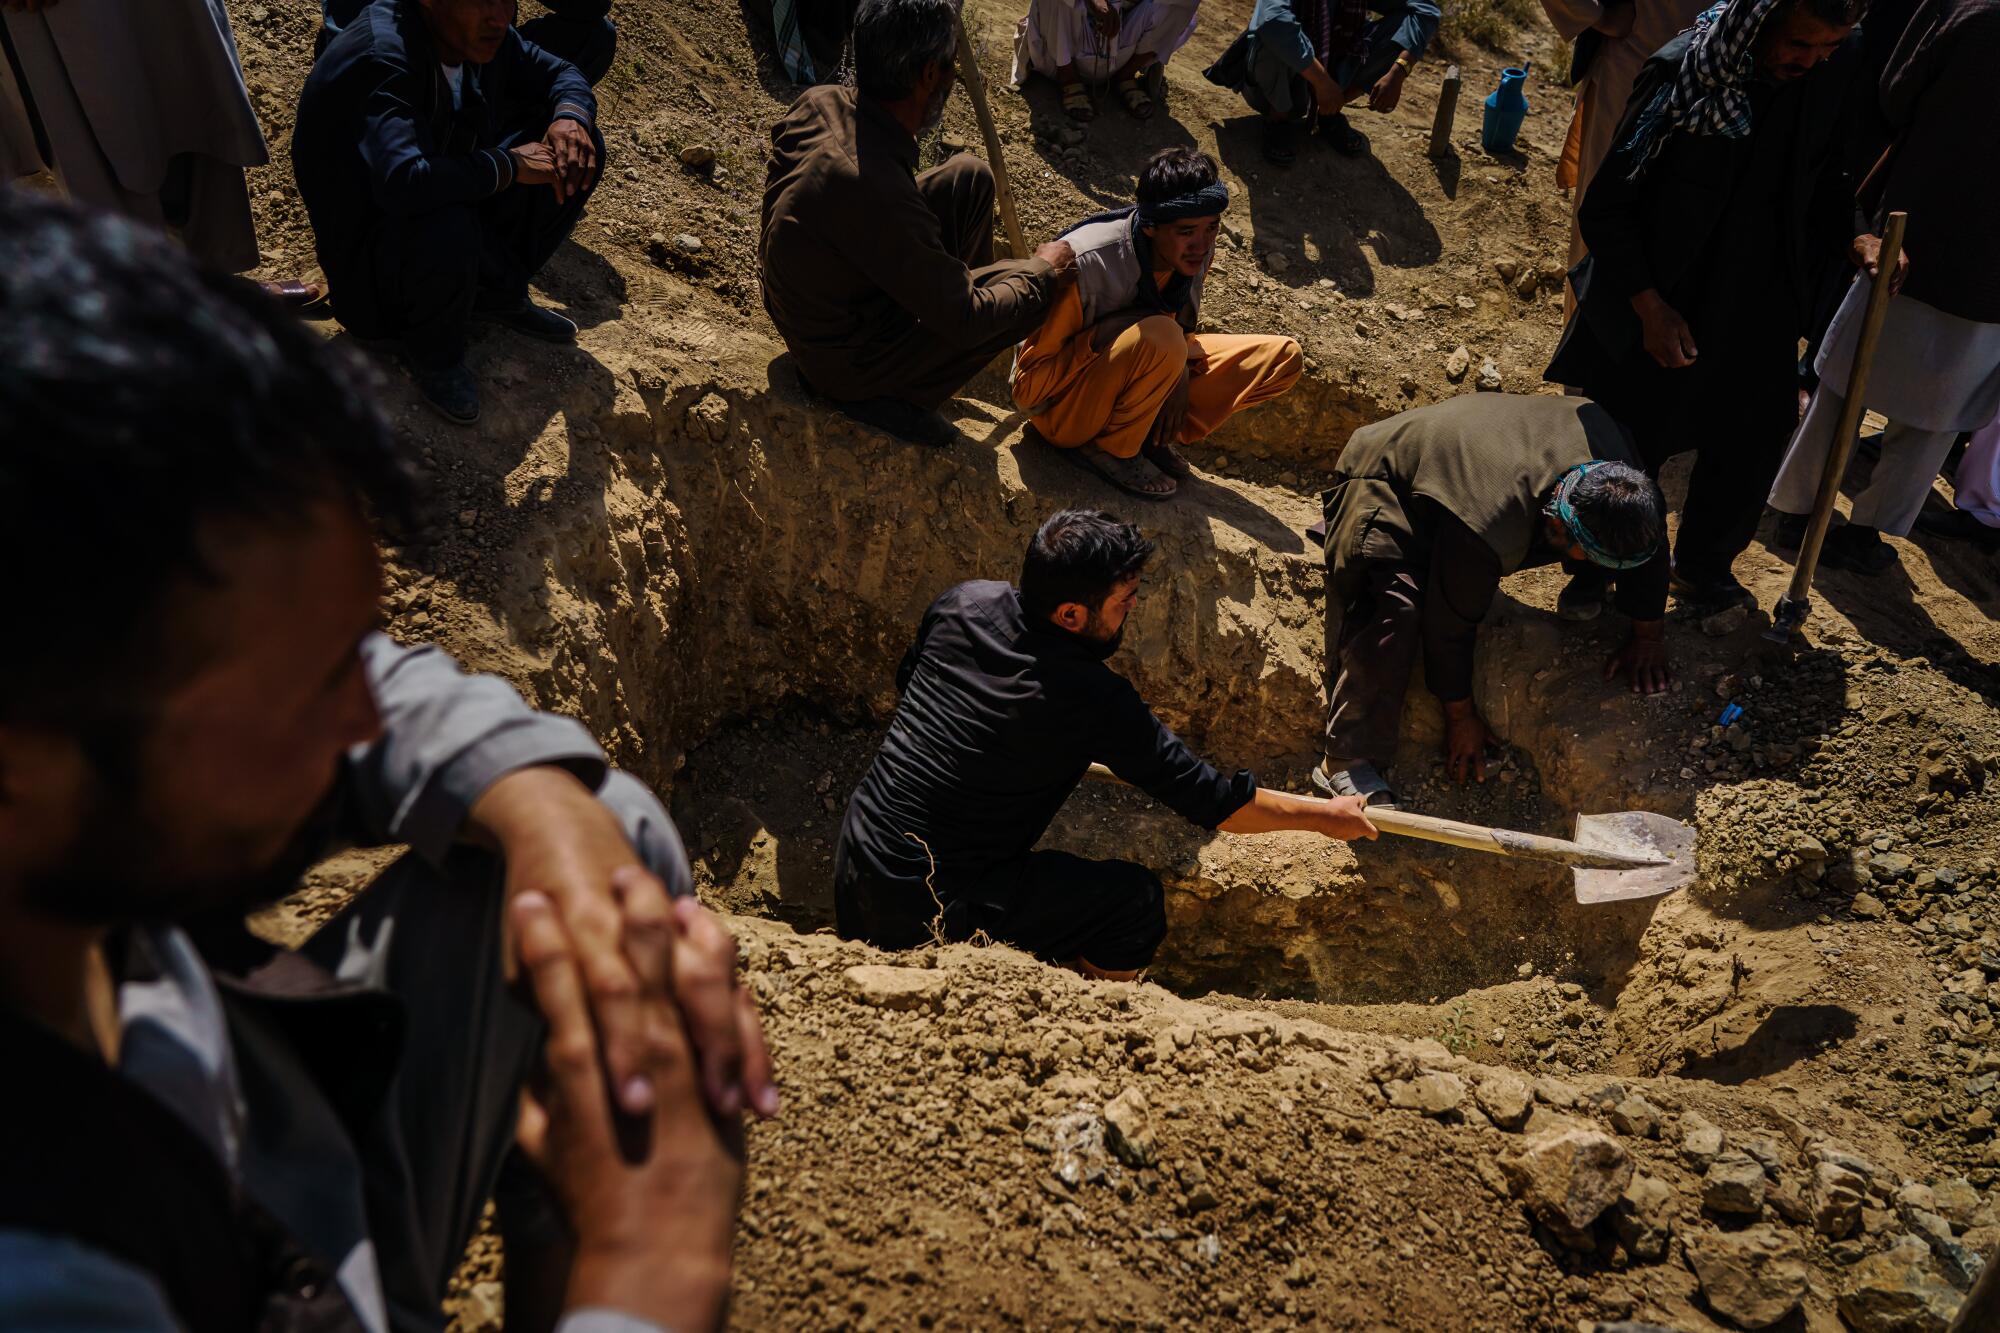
1342, 137
1134, 476
1281, 142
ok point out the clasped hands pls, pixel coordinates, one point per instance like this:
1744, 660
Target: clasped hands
564, 159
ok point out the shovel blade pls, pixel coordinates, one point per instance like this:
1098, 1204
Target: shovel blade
1642, 833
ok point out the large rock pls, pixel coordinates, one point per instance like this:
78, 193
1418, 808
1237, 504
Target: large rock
896, 987
1896, 1291
1958, 1201
1644, 1218
1129, 1127
1734, 1185
1636, 1116
1506, 1098
1701, 1142
1753, 1277
1836, 1199
1569, 1177
1433, 1094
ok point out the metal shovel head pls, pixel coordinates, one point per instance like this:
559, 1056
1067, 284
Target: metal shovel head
1636, 832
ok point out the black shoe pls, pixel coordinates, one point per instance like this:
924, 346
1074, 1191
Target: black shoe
1859, 549
1342, 137
1706, 598
1789, 531
452, 391
529, 320
1955, 525
904, 420
1582, 598
1281, 142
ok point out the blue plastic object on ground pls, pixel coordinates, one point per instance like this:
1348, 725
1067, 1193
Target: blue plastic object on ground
1506, 108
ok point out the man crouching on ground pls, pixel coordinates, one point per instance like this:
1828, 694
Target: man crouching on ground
224, 1135
1006, 702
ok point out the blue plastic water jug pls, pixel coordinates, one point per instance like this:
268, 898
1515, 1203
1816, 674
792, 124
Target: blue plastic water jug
1506, 108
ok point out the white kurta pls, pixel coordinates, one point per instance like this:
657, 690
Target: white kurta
130, 94
1977, 490
1058, 32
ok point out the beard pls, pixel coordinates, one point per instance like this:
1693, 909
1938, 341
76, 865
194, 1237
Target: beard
1103, 645
934, 113
113, 874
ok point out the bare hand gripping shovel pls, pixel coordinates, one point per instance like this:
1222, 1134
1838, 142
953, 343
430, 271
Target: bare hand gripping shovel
1614, 857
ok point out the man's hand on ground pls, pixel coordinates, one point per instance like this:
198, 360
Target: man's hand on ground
1866, 252
1668, 338
1643, 660
575, 156
559, 840
1388, 89
1058, 256
535, 164
1104, 18
1466, 737
1173, 413
653, 1228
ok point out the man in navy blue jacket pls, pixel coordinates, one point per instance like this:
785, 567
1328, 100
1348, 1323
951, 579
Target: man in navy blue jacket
442, 158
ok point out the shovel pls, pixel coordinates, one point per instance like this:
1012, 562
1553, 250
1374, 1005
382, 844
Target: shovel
1614, 857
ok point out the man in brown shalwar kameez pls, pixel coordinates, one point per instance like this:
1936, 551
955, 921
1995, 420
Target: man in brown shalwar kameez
882, 280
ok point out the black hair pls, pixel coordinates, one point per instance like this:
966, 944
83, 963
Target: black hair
1079, 555
1833, 13
142, 399
895, 41
1173, 172
1621, 508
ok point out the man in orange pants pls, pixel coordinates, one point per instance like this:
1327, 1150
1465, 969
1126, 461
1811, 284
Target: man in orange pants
1116, 375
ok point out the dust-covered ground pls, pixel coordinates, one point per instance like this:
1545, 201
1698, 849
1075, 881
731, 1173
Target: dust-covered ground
1778, 1086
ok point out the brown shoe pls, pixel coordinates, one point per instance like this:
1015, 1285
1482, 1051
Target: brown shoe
1168, 460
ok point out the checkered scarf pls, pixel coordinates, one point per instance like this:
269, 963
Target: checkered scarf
1710, 94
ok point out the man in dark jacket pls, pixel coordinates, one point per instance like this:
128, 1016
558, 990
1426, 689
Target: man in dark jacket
880, 279
1727, 193
1428, 511
579, 31
1007, 701
442, 159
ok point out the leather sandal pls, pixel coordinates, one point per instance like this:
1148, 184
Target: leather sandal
1135, 98
1168, 460
1076, 102
1134, 476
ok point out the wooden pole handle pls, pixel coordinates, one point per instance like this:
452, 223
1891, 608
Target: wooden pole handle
1852, 410
975, 85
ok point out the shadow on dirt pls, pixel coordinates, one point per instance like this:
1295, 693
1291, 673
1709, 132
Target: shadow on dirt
1789, 1034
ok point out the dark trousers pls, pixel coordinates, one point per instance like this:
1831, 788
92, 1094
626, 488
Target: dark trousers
580, 31
1371, 644
415, 278
1736, 407
1051, 904
929, 369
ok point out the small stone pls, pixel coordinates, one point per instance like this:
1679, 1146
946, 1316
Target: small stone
1725, 622
1868, 907
484, 1306
954, 143
1958, 1201
1504, 1098
1526, 284
1896, 1291
1568, 1177
1754, 1277
1734, 1185
1701, 1142
1457, 363
1835, 1199
1489, 376
1636, 1116
696, 156
1433, 1094
896, 987
688, 243
1644, 1218
1129, 1127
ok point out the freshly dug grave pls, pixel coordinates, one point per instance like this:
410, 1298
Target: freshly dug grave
654, 533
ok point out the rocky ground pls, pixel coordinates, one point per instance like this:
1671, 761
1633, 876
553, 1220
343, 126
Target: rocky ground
1375, 1087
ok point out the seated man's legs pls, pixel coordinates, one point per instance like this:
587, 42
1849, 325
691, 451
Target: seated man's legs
961, 192
580, 31
1238, 370
1106, 918
1371, 644
1113, 403
412, 282
521, 227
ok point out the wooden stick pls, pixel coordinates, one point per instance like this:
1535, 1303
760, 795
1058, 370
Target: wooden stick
1848, 431
975, 84
1447, 112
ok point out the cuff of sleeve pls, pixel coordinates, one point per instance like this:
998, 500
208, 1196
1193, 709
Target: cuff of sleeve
433, 821
503, 168
571, 111
1242, 790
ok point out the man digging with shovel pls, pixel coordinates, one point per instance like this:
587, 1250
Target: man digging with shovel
1428, 510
